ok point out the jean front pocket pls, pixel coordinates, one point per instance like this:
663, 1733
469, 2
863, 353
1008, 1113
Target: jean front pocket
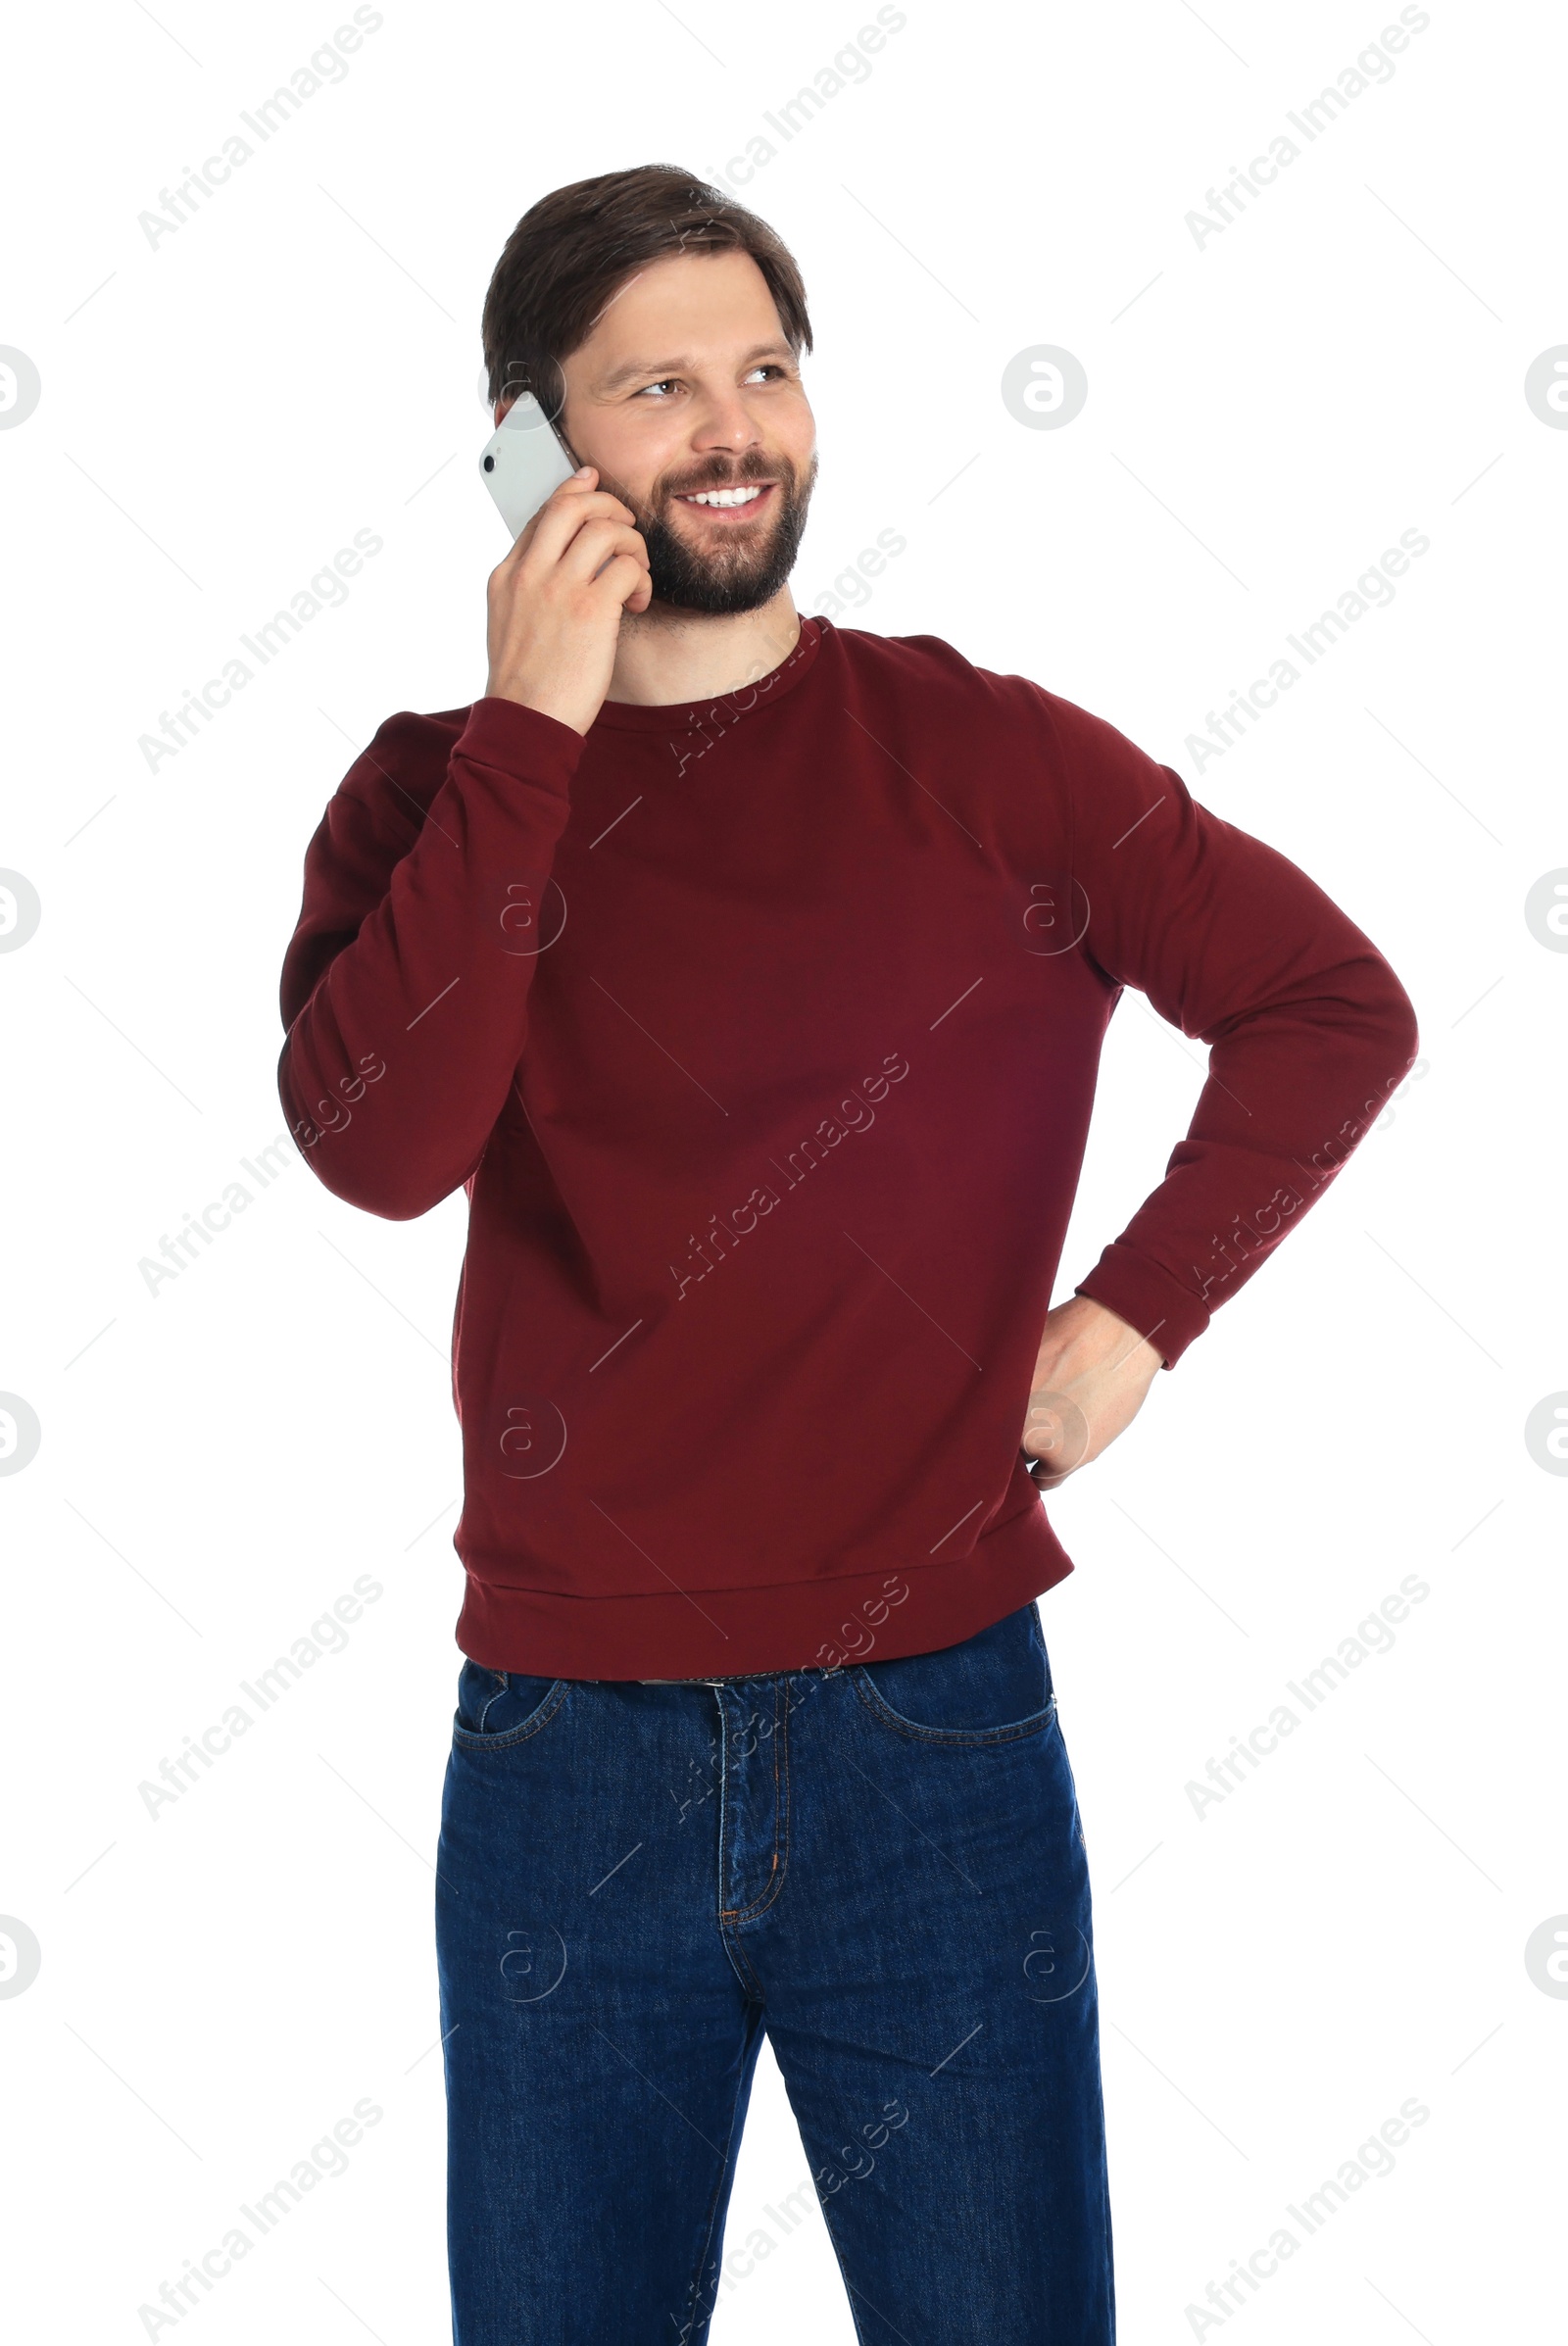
994, 1687
497, 1708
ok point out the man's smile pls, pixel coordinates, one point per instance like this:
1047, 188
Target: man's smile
744, 498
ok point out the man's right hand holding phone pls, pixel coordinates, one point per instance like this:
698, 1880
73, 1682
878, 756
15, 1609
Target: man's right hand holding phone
556, 601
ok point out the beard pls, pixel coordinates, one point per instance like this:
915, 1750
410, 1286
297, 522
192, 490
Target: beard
722, 578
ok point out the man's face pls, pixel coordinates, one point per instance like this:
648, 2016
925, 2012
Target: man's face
686, 384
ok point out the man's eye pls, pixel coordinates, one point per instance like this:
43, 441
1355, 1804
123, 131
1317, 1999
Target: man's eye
768, 367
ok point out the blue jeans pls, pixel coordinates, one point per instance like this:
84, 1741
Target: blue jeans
880, 1866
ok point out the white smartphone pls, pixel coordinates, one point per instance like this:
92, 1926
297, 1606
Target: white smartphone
523, 463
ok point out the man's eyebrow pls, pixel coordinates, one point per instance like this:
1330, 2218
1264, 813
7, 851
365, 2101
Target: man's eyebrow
653, 370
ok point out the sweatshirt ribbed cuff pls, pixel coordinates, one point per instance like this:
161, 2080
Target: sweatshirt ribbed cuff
512, 739
1141, 1292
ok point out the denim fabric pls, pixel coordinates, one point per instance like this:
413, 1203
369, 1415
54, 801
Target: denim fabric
881, 1867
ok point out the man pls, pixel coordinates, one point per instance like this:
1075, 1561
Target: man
749, 974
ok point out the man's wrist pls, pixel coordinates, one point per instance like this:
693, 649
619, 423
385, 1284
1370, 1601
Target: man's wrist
1090, 1331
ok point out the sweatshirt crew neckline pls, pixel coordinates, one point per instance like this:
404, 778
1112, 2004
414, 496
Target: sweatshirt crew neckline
688, 716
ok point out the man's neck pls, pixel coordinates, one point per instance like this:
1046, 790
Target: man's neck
666, 655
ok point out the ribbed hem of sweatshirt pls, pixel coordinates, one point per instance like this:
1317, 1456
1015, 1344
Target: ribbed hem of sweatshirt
791, 1625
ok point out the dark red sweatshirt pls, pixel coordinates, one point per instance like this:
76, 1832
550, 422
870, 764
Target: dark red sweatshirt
762, 1036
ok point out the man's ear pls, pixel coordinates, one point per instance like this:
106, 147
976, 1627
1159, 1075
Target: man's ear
505, 402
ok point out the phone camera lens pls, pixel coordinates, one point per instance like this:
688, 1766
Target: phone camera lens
489, 464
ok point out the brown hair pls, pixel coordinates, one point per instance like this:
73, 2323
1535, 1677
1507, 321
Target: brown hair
571, 252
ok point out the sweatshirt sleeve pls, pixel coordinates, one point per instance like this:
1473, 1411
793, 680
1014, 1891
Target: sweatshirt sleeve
405, 987
1307, 1027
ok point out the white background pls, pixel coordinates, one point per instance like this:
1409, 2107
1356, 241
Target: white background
1266, 413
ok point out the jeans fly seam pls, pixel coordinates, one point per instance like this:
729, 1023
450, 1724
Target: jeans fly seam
734, 1915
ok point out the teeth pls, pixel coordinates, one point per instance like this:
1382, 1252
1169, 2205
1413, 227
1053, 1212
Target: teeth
722, 497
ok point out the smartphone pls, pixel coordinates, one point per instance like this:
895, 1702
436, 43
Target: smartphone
524, 463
